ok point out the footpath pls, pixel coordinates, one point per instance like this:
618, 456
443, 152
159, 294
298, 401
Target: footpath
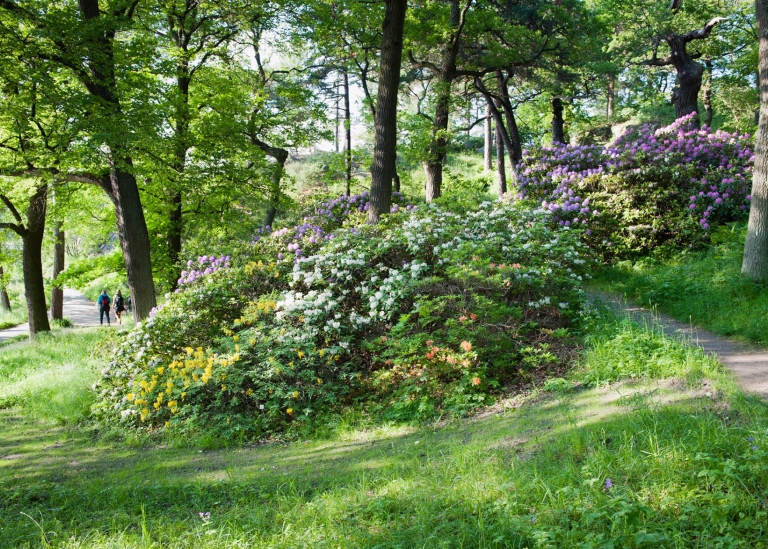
80, 310
748, 363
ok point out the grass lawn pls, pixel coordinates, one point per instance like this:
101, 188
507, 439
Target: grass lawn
676, 462
705, 288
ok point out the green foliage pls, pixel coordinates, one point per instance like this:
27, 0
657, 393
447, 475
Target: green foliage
88, 273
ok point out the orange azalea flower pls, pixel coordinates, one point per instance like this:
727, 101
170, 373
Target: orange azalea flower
516, 265
473, 316
475, 381
429, 342
466, 345
430, 355
462, 318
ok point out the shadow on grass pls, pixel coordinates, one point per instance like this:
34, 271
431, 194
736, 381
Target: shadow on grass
502, 476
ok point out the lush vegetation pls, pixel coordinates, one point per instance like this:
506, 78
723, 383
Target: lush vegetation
676, 462
703, 287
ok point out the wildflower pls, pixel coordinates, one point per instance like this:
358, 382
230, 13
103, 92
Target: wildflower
430, 355
466, 345
473, 316
295, 394
475, 381
608, 484
289, 411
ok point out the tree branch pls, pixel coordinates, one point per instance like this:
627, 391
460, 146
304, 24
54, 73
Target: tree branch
702, 33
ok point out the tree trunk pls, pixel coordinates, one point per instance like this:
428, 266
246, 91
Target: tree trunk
755, 263
121, 183
348, 134
5, 301
558, 124
385, 141
281, 157
488, 147
707, 96
514, 143
32, 263
611, 96
685, 97
501, 172
57, 293
134, 239
181, 146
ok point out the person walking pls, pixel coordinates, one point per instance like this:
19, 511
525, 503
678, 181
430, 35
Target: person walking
119, 306
103, 304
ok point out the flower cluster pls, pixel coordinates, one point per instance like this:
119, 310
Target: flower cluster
653, 170
204, 265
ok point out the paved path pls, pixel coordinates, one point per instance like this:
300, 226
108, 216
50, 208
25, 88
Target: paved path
80, 310
748, 363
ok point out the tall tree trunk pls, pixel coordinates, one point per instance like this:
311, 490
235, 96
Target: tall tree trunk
347, 134
445, 75
558, 124
609, 106
278, 170
57, 293
121, 184
181, 146
385, 141
707, 95
32, 263
5, 301
514, 142
488, 147
755, 263
501, 171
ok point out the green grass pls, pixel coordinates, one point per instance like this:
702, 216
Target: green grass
533, 473
14, 317
705, 288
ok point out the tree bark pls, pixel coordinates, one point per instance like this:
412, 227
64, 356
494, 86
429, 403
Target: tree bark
385, 141
57, 293
689, 74
181, 146
501, 171
558, 124
347, 134
609, 106
707, 95
5, 301
488, 147
755, 263
32, 262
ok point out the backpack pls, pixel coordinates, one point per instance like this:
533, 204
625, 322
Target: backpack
104, 302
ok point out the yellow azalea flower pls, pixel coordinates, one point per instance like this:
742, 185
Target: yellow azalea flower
167, 424
157, 405
301, 354
295, 394
236, 338
322, 352
289, 411
319, 381
129, 397
160, 370
277, 370
189, 350
249, 392
223, 388
183, 394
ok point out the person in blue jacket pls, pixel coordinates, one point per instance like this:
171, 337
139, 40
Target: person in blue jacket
103, 302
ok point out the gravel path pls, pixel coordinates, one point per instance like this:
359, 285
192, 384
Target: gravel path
748, 363
80, 310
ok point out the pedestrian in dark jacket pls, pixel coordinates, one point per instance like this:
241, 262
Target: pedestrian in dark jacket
103, 304
119, 306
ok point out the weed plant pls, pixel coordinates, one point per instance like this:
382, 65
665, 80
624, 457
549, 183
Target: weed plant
705, 288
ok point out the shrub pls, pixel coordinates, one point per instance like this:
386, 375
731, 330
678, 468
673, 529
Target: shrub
650, 188
429, 312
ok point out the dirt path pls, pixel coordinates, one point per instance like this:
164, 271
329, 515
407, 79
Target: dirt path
748, 363
80, 310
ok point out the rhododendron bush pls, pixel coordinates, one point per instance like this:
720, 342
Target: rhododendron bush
432, 311
651, 187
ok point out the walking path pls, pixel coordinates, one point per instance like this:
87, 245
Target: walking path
80, 310
748, 363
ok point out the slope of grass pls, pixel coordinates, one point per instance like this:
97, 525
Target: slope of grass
705, 288
677, 462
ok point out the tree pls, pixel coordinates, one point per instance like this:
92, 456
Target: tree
385, 141
755, 263
82, 40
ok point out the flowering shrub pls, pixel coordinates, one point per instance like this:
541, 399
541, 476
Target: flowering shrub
650, 187
275, 342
